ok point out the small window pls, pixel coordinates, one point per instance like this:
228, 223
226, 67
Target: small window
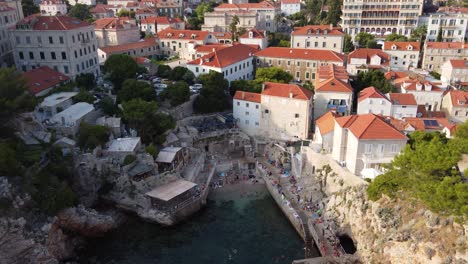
51, 40
61, 40
64, 56
52, 55
267, 111
256, 123
246, 122
394, 148
368, 148
247, 105
21, 56
31, 55
296, 115
41, 54
238, 103
246, 113
256, 107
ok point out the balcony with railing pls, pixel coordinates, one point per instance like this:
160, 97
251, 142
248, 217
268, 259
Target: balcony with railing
338, 105
377, 158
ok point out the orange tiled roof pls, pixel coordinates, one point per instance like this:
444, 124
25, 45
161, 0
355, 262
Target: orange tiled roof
38, 22
402, 99
446, 45
431, 123
149, 42
334, 85
459, 64
369, 126
43, 78
170, 33
459, 98
368, 54
326, 123
284, 90
141, 60
332, 71
410, 85
256, 33
388, 45
207, 48
160, 20
371, 92
248, 96
224, 57
305, 54
112, 23
318, 30
222, 35
290, 2
395, 75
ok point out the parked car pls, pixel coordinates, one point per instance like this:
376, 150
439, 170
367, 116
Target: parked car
156, 80
195, 88
160, 86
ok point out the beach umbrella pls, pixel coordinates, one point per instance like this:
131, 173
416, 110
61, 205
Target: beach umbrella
370, 173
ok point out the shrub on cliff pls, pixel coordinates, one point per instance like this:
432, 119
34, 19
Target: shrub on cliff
426, 169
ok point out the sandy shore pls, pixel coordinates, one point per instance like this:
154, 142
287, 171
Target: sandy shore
241, 193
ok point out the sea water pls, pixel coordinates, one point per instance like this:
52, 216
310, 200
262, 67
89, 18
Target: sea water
254, 231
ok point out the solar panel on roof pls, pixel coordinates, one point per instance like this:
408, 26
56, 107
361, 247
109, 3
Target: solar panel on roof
431, 123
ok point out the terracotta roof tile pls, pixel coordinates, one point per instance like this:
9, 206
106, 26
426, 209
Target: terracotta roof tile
224, 57
334, 85
284, 90
326, 123
39, 22
411, 85
388, 45
208, 48
332, 71
256, 33
402, 99
395, 75
43, 78
248, 96
371, 92
459, 98
318, 30
459, 64
160, 20
112, 23
369, 126
305, 54
446, 45
368, 54
430, 123
261, 5
285, 2
170, 33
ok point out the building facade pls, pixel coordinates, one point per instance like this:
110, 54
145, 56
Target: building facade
437, 53
318, 37
455, 105
234, 62
247, 112
372, 101
380, 17
450, 23
425, 93
365, 142
53, 8
455, 72
289, 7
404, 55
8, 18
265, 10
301, 63
62, 43
255, 37
403, 105
219, 21
146, 48
181, 42
115, 31
363, 60
153, 24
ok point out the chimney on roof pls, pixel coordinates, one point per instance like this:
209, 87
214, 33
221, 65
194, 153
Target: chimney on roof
387, 120
331, 27
291, 95
290, 51
243, 95
263, 87
419, 86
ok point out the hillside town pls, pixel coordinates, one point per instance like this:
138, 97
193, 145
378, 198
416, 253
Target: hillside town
151, 106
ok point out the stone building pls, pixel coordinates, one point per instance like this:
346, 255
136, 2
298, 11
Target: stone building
318, 37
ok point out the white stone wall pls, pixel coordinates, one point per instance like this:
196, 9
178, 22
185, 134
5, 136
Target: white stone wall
321, 100
84, 2
53, 9
289, 9
454, 27
242, 70
432, 98
403, 59
400, 111
261, 42
375, 106
113, 37
7, 19
328, 42
248, 115
80, 54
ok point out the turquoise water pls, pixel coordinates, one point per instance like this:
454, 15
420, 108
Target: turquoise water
224, 232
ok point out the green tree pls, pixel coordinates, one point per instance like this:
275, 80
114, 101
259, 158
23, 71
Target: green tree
212, 97
9, 165
312, 11
254, 86
233, 28
181, 73
202, 9
133, 89
85, 80
118, 68
164, 71
152, 150
439, 35
396, 37
419, 34
91, 136
177, 93
143, 116
14, 97
460, 139
362, 38
84, 96
108, 106
80, 11
374, 78
194, 23
284, 43
29, 7
334, 12
273, 74
348, 45
126, 13
372, 44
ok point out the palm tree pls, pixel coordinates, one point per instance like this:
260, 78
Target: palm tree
233, 27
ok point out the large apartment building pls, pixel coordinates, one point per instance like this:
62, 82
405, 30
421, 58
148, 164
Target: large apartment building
180, 42
219, 21
380, 16
318, 37
63, 43
265, 12
437, 53
8, 18
453, 22
301, 63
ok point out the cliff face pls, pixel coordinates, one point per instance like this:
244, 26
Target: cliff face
396, 231
387, 231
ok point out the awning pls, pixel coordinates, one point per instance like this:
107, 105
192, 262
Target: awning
370, 173
169, 191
